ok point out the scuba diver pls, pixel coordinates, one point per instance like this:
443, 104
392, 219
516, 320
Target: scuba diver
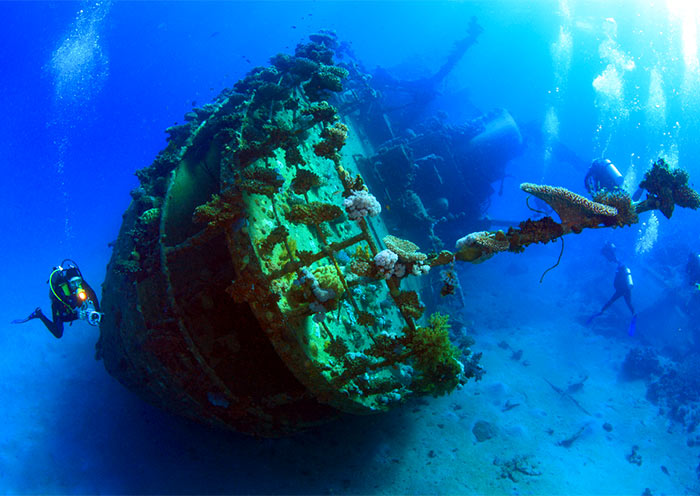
623, 285
72, 298
692, 269
602, 174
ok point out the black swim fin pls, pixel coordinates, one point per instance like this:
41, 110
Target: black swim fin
35, 314
633, 326
590, 319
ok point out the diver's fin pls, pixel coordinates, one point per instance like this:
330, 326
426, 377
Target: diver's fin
35, 314
633, 326
590, 319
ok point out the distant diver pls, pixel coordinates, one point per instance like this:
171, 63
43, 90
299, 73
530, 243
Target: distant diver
623, 285
692, 270
72, 298
603, 175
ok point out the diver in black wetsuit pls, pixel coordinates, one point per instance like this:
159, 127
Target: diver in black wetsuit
72, 298
623, 286
692, 269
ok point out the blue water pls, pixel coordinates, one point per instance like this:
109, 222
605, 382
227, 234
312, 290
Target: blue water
87, 92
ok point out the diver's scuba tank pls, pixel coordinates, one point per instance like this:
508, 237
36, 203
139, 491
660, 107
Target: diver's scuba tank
603, 174
623, 278
627, 275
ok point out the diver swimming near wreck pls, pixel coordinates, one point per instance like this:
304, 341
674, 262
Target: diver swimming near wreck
72, 298
623, 285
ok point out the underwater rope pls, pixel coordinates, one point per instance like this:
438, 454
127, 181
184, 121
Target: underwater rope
527, 202
558, 260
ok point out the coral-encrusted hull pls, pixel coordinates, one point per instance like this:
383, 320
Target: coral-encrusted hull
227, 376
244, 289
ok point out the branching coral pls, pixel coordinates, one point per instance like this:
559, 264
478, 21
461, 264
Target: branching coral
575, 211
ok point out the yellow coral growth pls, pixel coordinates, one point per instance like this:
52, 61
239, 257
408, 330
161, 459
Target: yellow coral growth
327, 277
150, 215
435, 357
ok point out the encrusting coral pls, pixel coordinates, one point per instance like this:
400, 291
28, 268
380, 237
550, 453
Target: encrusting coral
313, 213
482, 245
666, 188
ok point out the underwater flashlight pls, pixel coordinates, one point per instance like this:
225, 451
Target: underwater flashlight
82, 295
